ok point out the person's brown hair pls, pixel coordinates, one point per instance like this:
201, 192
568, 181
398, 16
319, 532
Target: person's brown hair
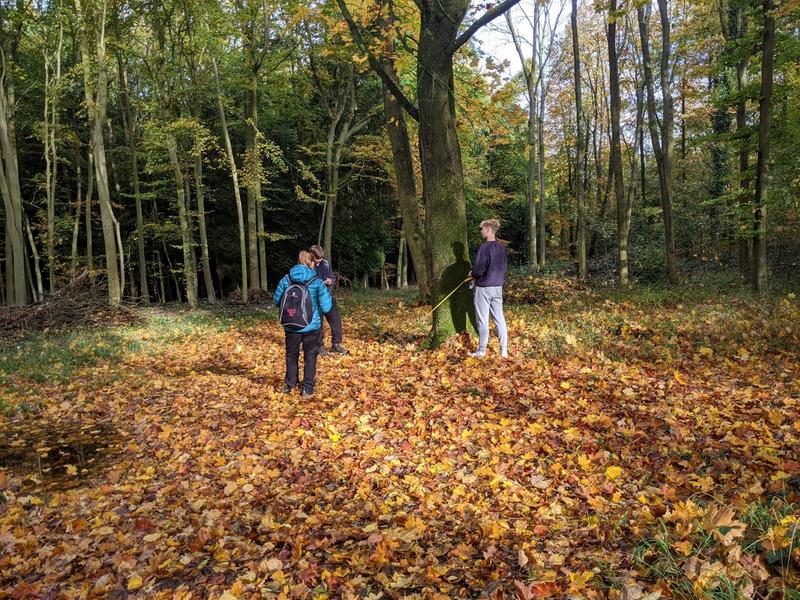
305, 258
318, 251
493, 224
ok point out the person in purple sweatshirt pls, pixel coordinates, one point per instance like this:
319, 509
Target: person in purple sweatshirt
488, 274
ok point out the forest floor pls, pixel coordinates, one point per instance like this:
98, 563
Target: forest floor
633, 445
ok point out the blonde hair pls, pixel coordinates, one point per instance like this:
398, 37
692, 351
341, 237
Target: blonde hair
318, 251
493, 224
305, 258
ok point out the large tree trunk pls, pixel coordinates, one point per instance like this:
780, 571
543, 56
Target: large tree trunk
413, 231
234, 178
579, 154
623, 219
442, 176
759, 267
10, 188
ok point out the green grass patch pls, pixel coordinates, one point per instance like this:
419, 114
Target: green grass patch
48, 357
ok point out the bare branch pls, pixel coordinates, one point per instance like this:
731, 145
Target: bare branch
487, 17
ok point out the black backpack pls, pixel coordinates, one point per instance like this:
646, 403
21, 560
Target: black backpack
297, 308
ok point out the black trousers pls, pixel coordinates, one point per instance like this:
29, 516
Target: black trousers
335, 322
311, 343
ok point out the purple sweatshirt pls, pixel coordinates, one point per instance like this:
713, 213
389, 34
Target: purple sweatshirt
489, 269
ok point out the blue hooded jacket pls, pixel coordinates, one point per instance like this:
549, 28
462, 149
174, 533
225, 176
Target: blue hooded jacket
320, 296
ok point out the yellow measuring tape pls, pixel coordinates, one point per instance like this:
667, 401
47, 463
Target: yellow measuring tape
450, 294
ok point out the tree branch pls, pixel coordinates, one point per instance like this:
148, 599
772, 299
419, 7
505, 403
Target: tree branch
487, 17
377, 65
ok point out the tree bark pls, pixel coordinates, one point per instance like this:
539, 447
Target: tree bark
442, 175
10, 187
759, 265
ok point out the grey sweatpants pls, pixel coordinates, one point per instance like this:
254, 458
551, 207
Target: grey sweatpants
489, 301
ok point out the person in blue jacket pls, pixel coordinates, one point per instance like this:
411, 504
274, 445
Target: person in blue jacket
310, 337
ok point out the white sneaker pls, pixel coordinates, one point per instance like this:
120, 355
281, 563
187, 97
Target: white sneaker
477, 354
503, 353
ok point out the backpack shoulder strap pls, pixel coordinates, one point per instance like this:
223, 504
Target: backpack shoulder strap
308, 283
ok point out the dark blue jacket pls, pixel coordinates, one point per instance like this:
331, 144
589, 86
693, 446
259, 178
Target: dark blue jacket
320, 296
324, 271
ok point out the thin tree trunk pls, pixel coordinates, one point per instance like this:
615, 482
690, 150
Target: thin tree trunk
623, 223
253, 179
668, 137
759, 267
162, 291
531, 83
262, 246
579, 154
51, 106
661, 141
201, 222
9, 259
38, 291
401, 265
76, 223
186, 238
97, 115
89, 194
744, 152
542, 243
235, 179
129, 124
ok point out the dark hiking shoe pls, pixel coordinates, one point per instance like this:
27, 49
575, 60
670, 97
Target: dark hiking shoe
323, 352
339, 349
307, 393
287, 389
